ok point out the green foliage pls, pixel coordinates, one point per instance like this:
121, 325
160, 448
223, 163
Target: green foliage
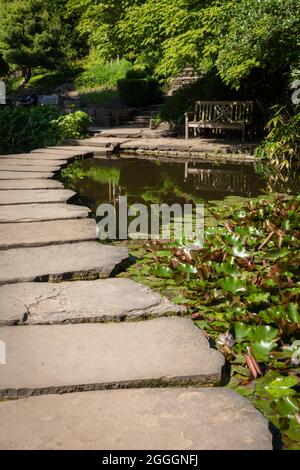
103, 74
74, 125
139, 92
282, 144
23, 129
261, 35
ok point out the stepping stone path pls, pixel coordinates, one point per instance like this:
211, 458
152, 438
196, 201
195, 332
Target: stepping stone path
97, 333
38, 195
20, 235
39, 212
152, 419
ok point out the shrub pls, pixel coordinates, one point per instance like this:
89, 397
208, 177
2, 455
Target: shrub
103, 74
23, 129
75, 125
282, 144
139, 92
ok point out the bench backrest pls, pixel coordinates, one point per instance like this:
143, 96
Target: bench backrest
48, 100
224, 111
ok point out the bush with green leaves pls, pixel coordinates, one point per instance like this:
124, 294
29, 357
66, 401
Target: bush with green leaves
74, 125
23, 129
282, 144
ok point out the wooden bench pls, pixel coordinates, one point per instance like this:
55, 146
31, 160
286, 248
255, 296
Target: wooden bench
48, 100
220, 115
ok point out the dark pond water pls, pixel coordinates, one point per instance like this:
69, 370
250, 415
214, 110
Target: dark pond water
144, 181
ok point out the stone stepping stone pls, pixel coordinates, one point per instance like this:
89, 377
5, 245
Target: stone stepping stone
70, 358
23, 168
62, 152
40, 212
15, 175
18, 196
74, 261
56, 232
36, 157
169, 419
36, 162
81, 302
29, 184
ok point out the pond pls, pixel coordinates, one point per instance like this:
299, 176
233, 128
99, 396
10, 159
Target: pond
103, 180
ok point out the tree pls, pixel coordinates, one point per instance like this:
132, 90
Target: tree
34, 35
262, 35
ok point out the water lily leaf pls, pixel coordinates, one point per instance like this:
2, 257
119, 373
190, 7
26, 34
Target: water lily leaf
239, 251
241, 330
258, 298
162, 271
186, 268
262, 349
233, 285
227, 268
262, 333
277, 253
282, 386
292, 313
272, 315
285, 406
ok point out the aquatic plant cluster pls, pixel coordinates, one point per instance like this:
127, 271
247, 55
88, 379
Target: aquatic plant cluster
243, 289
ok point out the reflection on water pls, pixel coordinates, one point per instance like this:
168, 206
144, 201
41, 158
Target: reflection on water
143, 181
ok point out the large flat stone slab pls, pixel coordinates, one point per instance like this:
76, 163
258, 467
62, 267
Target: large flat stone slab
36, 156
18, 196
86, 260
36, 162
21, 175
62, 152
169, 419
40, 212
70, 358
56, 232
29, 184
82, 301
10, 166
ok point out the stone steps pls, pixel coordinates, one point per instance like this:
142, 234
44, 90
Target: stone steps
18, 196
19, 175
85, 260
29, 184
69, 358
105, 300
56, 232
190, 419
41, 212
30, 168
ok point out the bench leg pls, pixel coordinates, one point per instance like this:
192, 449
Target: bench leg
186, 129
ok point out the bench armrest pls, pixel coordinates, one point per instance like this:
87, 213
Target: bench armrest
189, 113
